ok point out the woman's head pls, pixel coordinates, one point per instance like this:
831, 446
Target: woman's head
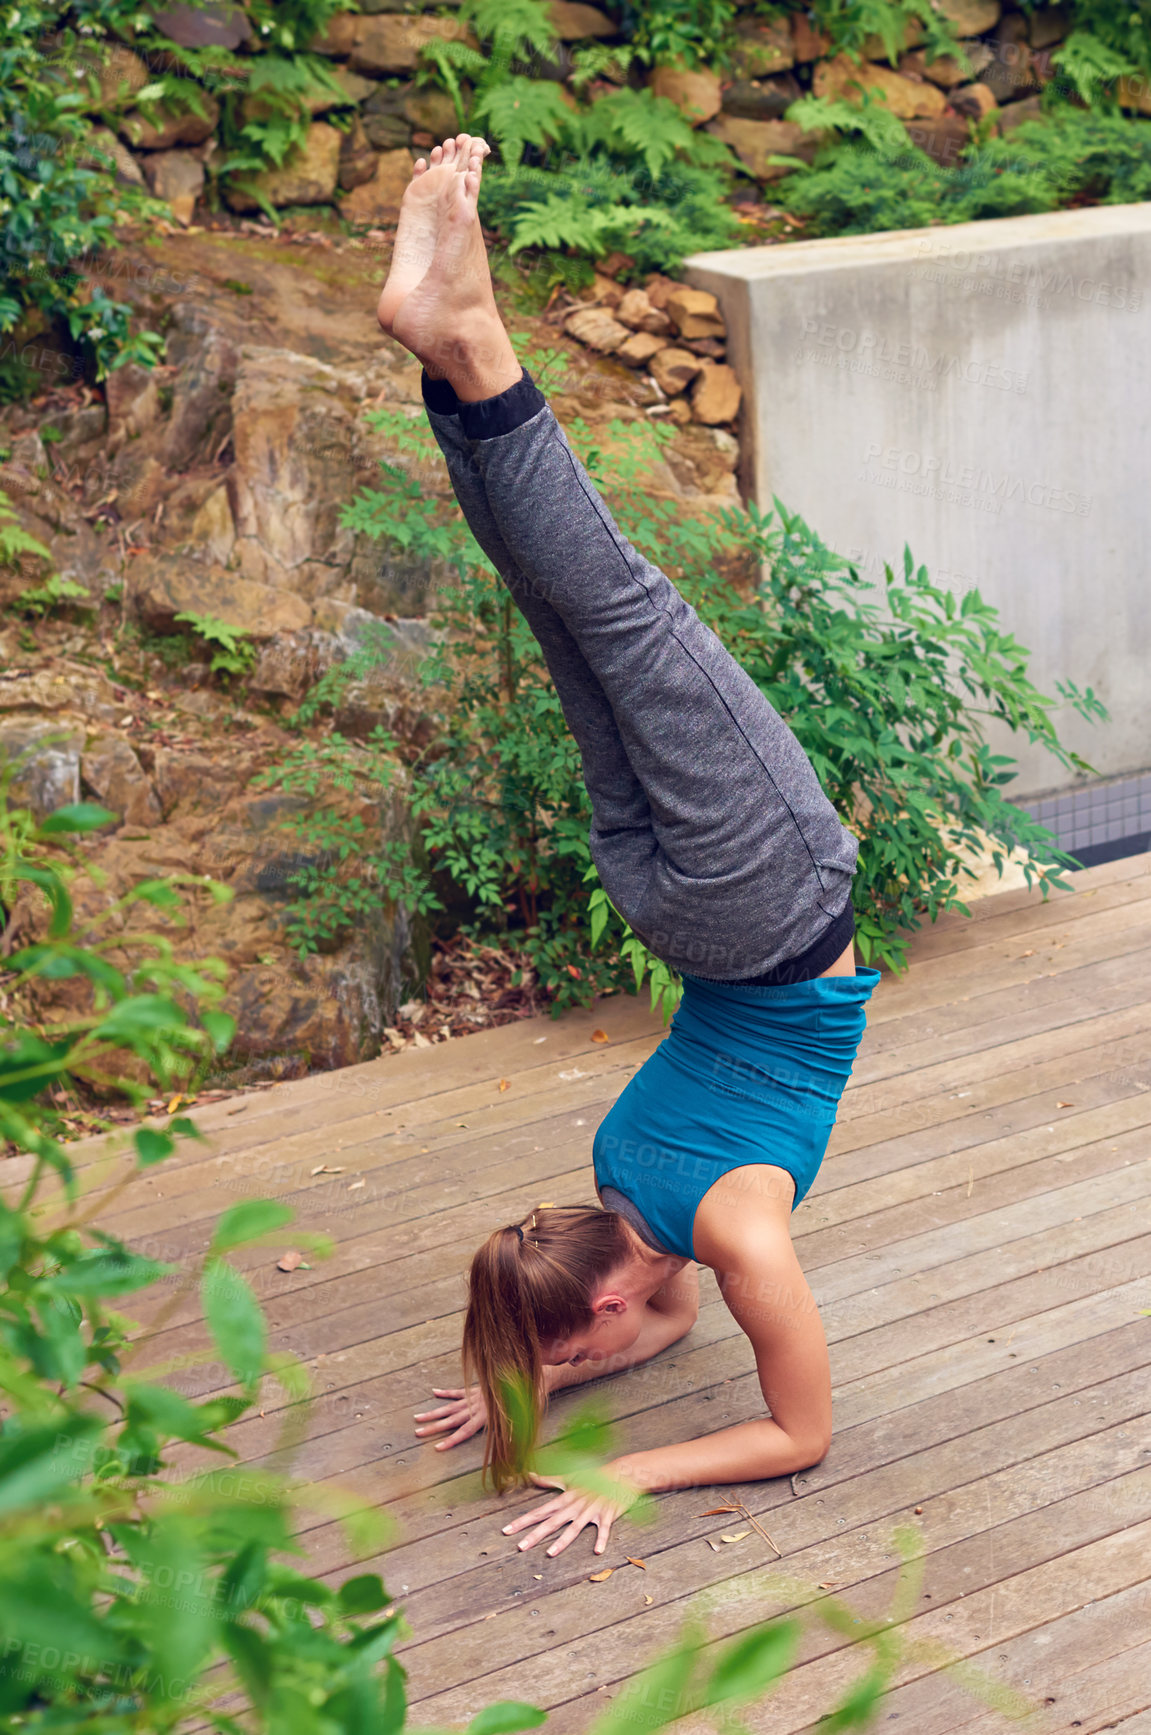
534, 1300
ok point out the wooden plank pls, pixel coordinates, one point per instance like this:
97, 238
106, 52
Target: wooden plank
1010, 914
975, 1528
983, 1177
1065, 1223
1083, 1671
1080, 1386
988, 968
1008, 1607
875, 1375
1087, 1216
148, 1226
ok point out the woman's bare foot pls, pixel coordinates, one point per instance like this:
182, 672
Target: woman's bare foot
449, 320
419, 223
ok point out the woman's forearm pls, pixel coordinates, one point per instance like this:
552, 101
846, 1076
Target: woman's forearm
749, 1452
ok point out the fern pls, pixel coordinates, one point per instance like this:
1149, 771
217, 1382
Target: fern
1087, 66
515, 29
849, 23
869, 119
451, 62
55, 590
14, 539
638, 123
522, 111
597, 60
558, 222
233, 652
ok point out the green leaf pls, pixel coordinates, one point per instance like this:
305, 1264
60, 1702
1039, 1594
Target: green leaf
141, 1018
152, 1146
363, 1595
658, 1696
505, 1718
80, 816
106, 1271
235, 1320
755, 1662
37, 1464
221, 1028
250, 1220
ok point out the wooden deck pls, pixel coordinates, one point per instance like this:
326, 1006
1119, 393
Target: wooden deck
978, 1241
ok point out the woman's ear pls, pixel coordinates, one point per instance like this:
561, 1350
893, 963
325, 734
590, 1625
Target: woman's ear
609, 1303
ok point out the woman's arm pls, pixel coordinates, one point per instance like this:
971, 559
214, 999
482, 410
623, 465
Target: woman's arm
768, 1295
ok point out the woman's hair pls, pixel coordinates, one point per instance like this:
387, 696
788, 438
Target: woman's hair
529, 1284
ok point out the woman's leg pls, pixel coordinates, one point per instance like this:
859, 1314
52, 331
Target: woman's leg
751, 862
620, 810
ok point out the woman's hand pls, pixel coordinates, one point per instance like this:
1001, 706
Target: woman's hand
464, 1416
570, 1511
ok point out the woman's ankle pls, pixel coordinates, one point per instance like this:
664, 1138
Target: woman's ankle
482, 364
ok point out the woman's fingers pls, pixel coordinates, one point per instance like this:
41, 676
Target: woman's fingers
535, 1516
471, 1426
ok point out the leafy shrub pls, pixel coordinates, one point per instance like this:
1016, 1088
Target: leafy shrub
343, 869
888, 695
667, 32
54, 210
859, 185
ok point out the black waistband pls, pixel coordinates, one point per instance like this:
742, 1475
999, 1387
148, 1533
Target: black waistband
818, 957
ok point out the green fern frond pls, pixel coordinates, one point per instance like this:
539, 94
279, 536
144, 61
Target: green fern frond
597, 60
14, 539
522, 111
872, 120
1088, 65
515, 29
557, 222
639, 123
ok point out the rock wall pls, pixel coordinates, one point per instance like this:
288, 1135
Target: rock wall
360, 168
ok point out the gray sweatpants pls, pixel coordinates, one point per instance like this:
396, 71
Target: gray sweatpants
710, 831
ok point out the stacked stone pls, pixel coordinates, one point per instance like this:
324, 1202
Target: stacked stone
677, 334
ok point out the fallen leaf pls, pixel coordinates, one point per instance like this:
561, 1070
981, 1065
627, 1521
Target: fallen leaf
918, 1510
356, 1184
828, 1585
505, 1083
1065, 1105
632, 1561
178, 1099
714, 1546
599, 1036
735, 1536
714, 1511
290, 1261
649, 1600
323, 1169
598, 1577
537, 1574
239, 1108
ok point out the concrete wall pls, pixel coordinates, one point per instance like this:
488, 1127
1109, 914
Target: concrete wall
982, 392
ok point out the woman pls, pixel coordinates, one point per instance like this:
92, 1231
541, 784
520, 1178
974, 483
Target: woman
714, 840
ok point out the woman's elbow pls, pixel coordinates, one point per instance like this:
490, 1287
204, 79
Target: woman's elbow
808, 1450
